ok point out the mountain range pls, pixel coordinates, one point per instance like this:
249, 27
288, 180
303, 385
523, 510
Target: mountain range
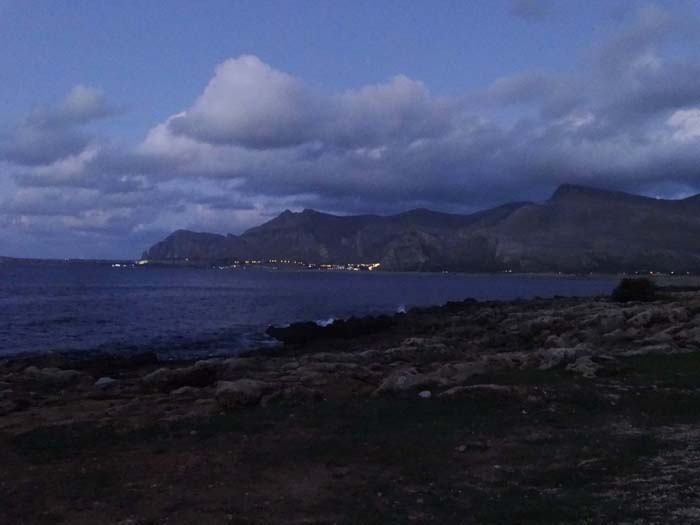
578, 229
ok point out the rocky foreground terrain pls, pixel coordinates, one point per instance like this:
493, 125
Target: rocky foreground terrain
562, 410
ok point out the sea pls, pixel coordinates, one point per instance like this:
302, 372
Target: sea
180, 312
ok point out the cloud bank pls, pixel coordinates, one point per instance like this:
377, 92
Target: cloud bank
258, 140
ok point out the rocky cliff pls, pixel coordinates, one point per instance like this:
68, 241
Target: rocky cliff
579, 229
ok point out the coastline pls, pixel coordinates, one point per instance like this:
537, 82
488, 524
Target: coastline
479, 407
120, 310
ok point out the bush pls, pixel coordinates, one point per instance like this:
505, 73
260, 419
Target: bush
634, 290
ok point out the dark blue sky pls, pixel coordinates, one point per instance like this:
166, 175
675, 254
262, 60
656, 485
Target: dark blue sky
123, 120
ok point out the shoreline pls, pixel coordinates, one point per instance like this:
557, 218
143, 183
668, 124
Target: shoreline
670, 284
545, 409
177, 264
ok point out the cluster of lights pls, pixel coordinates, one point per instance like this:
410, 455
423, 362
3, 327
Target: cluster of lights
356, 267
285, 261
352, 267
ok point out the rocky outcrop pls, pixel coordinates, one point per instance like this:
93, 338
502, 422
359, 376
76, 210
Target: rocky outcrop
231, 395
200, 374
461, 351
55, 376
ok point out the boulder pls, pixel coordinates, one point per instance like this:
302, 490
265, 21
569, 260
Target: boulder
506, 361
677, 315
657, 349
658, 338
615, 336
542, 323
235, 368
334, 357
554, 341
610, 321
403, 380
642, 319
243, 392
300, 333
186, 391
455, 373
691, 335
418, 349
584, 366
478, 392
105, 382
553, 357
290, 367
54, 376
201, 374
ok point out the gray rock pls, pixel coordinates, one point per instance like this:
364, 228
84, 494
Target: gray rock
243, 392
478, 391
455, 373
677, 315
235, 368
610, 321
54, 376
554, 341
658, 349
403, 380
288, 367
202, 373
507, 361
425, 394
584, 366
553, 357
105, 382
642, 319
186, 391
615, 335
691, 335
658, 338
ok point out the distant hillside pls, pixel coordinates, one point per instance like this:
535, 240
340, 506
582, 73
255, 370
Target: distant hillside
579, 229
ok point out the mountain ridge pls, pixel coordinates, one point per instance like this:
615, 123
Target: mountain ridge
578, 229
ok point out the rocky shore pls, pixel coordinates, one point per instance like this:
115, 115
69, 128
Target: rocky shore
564, 410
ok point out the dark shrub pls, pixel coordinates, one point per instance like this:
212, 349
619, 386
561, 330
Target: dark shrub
642, 289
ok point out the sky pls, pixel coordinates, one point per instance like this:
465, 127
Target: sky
122, 121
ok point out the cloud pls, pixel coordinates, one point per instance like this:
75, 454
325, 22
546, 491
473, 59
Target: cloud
258, 140
395, 142
248, 103
82, 104
52, 133
635, 45
34, 144
685, 125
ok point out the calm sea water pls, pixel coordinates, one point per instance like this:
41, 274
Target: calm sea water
198, 312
